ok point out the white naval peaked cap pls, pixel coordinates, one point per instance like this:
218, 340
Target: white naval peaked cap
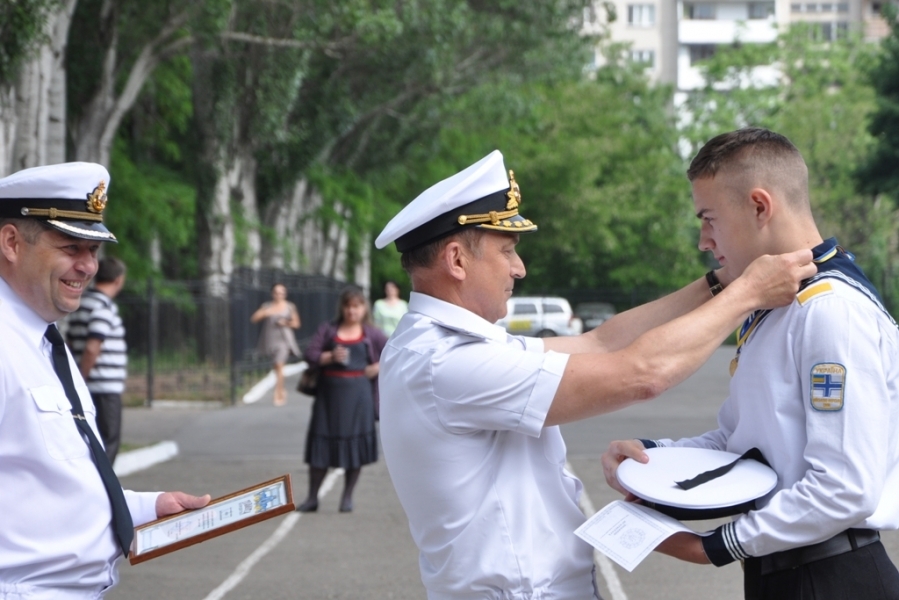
728, 494
70, 197
480, 196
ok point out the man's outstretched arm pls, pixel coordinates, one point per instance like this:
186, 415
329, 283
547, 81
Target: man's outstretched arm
663, 357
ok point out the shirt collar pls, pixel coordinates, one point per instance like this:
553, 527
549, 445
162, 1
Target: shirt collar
454, 317
32, 323
825, 250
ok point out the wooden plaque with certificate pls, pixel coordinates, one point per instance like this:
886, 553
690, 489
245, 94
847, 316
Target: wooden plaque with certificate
222, 515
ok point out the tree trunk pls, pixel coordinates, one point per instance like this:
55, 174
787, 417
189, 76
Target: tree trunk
8, 124
94, 132
303, 243
33, 112
215, 228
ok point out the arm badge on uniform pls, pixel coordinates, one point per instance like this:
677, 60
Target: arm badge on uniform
827, 386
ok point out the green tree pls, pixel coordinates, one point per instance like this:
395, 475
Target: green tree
153, 195
599, 171
379, 89
21, 29
881, 173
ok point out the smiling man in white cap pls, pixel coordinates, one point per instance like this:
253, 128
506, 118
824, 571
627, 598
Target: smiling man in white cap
470, 414
66, 519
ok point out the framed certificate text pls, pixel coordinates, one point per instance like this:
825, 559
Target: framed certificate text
222, 515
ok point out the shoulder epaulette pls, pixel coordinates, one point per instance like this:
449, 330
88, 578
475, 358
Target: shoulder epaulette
818, 289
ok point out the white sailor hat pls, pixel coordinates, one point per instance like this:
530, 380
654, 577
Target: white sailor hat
482, 196
69, 197
713, 489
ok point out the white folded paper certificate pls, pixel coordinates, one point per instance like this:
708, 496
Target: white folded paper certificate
628, 532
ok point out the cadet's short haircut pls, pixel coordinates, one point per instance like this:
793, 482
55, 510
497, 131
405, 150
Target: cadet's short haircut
756, 157
424, 256
109, 269
31, 229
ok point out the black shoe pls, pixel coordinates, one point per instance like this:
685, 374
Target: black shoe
346, 505
308, 506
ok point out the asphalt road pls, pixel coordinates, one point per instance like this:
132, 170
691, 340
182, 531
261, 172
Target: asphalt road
368, 553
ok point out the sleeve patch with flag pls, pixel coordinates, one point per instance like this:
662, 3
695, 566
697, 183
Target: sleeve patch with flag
827, 386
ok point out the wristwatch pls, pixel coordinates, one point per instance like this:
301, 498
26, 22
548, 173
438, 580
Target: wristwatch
715, 286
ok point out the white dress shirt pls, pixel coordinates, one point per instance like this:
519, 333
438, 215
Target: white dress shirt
837, 462
56, 538
483, 483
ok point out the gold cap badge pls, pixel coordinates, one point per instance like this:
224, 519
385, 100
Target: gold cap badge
96, 200
514, 192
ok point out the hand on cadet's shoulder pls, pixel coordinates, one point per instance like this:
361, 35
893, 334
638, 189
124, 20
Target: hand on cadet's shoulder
618, 452
773, 281
169, 503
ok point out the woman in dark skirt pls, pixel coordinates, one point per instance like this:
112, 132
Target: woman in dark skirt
342, 428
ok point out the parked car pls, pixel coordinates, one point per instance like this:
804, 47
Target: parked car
594, 314
540, 316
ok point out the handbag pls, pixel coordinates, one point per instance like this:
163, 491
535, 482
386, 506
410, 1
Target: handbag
308, 381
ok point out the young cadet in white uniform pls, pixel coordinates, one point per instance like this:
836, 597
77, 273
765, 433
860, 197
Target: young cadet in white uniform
815, 387
56, 538
470, 414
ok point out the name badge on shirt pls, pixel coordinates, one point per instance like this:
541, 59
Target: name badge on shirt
828, 384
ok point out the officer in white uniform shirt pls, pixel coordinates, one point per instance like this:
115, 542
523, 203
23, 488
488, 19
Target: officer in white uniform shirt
56, 539
470, 414
815, 388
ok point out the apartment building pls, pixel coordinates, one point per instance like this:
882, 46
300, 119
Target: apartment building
669, 37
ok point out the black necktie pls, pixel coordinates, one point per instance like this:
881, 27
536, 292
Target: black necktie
121, 516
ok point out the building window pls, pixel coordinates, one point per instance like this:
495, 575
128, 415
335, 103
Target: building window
761, 10
646, 58
641, 15
699, 10
828, 32
827, 7
700, 52
843, 7
811, 7
796, 8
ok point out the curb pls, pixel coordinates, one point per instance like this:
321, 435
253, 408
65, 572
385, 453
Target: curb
133, 461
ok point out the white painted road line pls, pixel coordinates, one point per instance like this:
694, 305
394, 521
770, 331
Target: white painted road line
602, 562
244, 568
268, 382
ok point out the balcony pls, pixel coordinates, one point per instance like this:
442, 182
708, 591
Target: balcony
714, 31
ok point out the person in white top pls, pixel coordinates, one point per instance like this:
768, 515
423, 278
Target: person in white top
470, 414
388, 311
57, 540
815, 388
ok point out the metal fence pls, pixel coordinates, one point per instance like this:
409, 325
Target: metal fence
187, 344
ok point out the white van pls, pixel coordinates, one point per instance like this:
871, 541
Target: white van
540, 316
